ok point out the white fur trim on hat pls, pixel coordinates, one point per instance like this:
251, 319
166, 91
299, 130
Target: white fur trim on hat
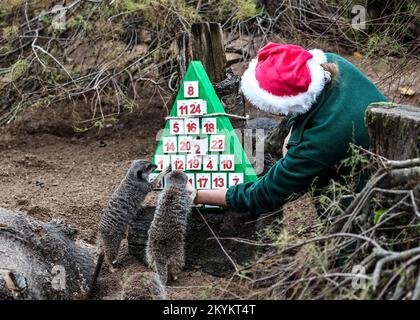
300, 103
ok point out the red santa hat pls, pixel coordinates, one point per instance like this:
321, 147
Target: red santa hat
285, 78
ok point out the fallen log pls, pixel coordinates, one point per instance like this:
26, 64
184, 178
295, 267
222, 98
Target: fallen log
42, 260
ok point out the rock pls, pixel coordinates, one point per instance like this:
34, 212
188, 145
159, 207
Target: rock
202, 249
42, 260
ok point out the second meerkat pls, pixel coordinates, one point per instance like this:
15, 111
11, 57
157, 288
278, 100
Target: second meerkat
165, 250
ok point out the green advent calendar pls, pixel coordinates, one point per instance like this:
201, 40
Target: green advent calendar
199, 139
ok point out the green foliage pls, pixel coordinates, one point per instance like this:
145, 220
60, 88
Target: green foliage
16, 70
378, 214
242, 9
10, 32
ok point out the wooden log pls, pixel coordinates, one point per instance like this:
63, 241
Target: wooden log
394, 130
202, 249
42, 260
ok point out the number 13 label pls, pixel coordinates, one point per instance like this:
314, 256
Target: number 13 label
218, 180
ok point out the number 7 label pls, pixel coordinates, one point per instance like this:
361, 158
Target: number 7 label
235, 178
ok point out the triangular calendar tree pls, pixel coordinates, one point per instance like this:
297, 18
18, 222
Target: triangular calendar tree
199, 139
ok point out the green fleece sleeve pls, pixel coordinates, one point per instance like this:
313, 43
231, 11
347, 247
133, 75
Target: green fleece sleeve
292, 174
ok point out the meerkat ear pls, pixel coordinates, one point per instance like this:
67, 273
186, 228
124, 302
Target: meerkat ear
143, 173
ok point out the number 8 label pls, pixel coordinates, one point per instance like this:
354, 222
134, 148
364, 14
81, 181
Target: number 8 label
190, 89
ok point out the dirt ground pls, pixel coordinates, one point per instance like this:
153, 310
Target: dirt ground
50, 171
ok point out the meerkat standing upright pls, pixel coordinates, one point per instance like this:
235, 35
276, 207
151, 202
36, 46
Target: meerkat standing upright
121, 209
166, 237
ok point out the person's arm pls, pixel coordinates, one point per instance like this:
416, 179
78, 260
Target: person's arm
215, 197
290, 175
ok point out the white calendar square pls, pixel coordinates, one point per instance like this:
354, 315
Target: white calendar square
178, 162
191, 179
202, 181
217, 143
162, 161
192, 126
210, 162
227, 162
235, 178
191, 89
200, 146
184, 144
209, 125
193, 162
176, 126
197, 107
182, 108
152, 177
169, 145
219, 180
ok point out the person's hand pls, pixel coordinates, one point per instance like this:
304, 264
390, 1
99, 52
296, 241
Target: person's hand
192, 191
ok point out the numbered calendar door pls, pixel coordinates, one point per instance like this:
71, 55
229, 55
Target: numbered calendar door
191, 89
152, 177
182, 108
200, 146
210, 162
191, 179
219, 180
209, 125
162, 161
227, 162
192, 126
178, 162
169, 145
217, 143
203, 181
193, 162
176, 126
235, 178
184, 144
197, 107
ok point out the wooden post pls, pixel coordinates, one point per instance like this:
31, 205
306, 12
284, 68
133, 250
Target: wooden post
394, 130
205, 43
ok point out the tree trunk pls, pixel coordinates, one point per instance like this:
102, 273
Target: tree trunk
394, 130
42, 260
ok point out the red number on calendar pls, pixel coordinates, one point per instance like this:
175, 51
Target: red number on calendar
195, 108
227, 164
183, 110
170, 146
194, 163
184, 146
197, 148
217, 145
191, 126
179, 164
209, 165
190, 90
219, 182
160, 164
209, 127
235, 180
190, 180
176, 127
202, 182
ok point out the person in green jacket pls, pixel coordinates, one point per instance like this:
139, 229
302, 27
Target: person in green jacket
326, 97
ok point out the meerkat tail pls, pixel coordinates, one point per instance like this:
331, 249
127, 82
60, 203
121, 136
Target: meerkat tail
160, 176
98, 268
